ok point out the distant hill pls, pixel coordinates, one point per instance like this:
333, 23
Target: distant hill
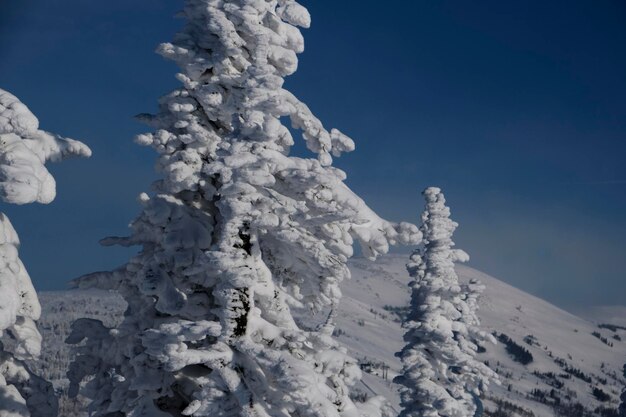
557, 364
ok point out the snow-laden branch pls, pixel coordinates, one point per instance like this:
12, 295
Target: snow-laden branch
24, 149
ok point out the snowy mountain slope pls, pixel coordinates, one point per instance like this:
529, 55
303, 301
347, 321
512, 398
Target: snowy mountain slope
566, 356
560, 343
562, 346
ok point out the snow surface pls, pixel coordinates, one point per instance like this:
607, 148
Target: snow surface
373, 334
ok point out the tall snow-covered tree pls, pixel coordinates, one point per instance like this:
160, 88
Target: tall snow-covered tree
24, 149
441, 376
237, 234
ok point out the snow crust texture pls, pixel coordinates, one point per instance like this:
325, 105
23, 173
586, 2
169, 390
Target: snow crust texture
441, 376
23, 179
237, 234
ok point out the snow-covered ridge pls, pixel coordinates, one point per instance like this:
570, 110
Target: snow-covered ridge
368, 325
566, 355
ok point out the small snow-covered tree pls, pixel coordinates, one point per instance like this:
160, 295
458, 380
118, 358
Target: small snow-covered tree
441, 376
237, 234
24, 149
622, 406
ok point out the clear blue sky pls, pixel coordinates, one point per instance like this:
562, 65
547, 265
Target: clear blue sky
516, 109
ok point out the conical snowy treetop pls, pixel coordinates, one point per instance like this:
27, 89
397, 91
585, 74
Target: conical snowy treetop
441, 376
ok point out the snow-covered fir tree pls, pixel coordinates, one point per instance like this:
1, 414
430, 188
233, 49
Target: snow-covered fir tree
441, 376
237, 234
24, 149
622, 406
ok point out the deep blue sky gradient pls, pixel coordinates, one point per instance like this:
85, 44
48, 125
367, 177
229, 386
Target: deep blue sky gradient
516, 109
